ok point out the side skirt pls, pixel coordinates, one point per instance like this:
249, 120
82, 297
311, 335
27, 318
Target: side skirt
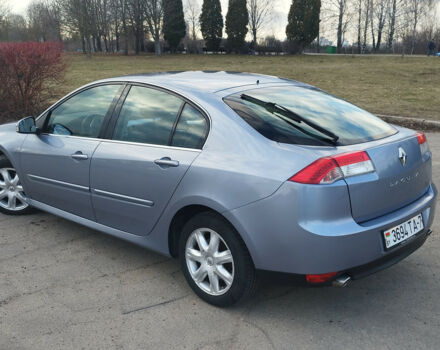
143, 241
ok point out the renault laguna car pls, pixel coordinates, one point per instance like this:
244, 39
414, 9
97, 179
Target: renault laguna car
233, 173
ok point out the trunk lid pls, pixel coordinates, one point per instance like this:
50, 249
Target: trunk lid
394, 184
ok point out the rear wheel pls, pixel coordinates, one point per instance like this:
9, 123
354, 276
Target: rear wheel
12, 196
215, 261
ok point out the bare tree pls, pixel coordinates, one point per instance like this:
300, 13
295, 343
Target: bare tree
391, 23
4, 12
76, 18
366, 19
104, 19
192, 12
359, 25
44, 20
100, 17
415, 10
114, 25
16, 28
342, 22
136, 14
337, 12
260, 13
381, 14
372, 29
154, 17
123, 5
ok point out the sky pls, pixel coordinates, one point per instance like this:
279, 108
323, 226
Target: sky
19, 6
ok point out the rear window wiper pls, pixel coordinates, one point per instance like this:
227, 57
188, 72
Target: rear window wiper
276, 108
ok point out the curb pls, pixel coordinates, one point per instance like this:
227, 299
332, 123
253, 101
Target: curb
412, 123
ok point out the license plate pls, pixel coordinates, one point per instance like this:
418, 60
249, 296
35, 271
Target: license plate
402, 232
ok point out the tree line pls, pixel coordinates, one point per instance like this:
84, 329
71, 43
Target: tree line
384, 25
173, 25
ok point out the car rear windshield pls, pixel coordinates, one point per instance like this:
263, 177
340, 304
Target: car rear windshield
349, 123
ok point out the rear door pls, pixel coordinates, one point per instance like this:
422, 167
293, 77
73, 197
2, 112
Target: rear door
56, 163
156, 137
402, 176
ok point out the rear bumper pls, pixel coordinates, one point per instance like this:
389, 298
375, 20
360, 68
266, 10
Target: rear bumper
390, 259
284, 234
354, 273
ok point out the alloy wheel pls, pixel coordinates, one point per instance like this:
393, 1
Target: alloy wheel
12, 196
210, 262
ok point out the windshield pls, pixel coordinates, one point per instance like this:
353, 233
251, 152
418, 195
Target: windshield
350, 123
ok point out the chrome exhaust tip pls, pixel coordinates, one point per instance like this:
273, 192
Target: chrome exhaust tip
342, 281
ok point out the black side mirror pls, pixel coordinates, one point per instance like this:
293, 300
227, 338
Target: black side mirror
27, 126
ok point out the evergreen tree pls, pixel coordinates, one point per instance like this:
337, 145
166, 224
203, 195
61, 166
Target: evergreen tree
174, 26
303, 24
211, 24
237, 20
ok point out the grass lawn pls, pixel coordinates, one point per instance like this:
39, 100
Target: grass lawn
407, 86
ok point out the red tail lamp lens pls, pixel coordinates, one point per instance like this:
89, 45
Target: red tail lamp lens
316, 172
330, 169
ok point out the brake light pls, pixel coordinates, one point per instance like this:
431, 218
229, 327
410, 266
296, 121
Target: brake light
330, 169
321, 278
423, 142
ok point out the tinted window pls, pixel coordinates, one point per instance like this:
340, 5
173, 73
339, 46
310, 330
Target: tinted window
84, 113
191, 129
147, 116
352, 124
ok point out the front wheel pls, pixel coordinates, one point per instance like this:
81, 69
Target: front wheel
215, 261
12, 196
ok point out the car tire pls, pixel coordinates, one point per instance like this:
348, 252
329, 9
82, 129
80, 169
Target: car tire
215, 261
10, 187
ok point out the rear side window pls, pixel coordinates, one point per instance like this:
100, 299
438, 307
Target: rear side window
191, 129
147, 116
350, 123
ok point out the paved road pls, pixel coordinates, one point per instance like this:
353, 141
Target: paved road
63, 286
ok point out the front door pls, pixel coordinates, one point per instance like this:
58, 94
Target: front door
133, 176
56, 163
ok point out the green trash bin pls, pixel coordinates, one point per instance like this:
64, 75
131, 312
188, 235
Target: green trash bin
330, 49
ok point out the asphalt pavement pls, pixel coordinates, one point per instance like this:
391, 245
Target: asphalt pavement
64, 286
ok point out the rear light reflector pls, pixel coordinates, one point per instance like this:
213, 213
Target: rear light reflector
423, 142
330, 169
321, 278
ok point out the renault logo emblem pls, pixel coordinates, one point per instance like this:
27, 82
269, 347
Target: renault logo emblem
402, 156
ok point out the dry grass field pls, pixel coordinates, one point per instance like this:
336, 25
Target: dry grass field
390, 85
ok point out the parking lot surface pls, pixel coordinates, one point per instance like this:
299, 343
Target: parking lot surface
64, 286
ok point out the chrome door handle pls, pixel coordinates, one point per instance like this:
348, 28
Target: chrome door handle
167, 162
80, 156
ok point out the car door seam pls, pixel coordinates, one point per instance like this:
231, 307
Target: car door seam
90, 180
172, 195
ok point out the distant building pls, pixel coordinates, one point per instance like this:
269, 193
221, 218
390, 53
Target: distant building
323, 41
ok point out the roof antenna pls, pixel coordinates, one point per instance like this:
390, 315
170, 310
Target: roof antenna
258, 82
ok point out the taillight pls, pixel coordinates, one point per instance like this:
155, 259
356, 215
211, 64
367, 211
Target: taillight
423, 142
330, 169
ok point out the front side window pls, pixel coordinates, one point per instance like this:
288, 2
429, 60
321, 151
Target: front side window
349, 123
84, 113
191, 129
147, 116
